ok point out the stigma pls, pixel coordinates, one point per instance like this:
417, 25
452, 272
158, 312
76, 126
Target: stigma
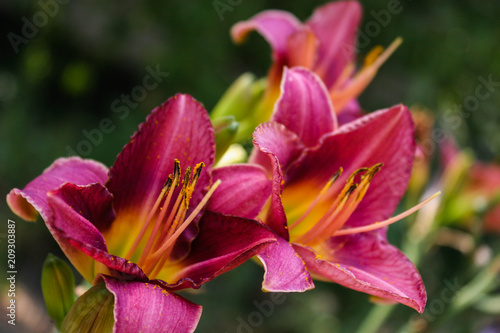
171, 218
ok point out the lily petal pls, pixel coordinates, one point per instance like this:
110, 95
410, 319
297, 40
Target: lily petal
335, 26
145, 307
367, 263
302, 48
350, 112
283, 148
284, 269
275, 26
31, 200
304, 106
179, 129
73, 207
243, 191
68, 224
213, 252
385, 136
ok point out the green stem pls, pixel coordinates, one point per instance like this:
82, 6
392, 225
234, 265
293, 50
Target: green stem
375, 319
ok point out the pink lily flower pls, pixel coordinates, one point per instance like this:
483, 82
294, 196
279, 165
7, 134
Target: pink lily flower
325, 44
334, 190
484, 183
471, 186
156, 221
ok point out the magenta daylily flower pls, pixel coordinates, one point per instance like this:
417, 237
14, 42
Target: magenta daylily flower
325, 44
334, 190
156, 221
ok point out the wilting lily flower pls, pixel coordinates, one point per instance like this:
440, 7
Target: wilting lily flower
334, 190
326, 44
159, 220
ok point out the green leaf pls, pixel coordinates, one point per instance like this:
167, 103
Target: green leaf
489, 304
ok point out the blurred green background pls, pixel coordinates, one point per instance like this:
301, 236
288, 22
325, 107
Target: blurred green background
79, 61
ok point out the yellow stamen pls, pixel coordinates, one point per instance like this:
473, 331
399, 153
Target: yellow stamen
378, 225
169, 186
342, 208
170, 217
317, 199
373, 55
155, 257
344, 76
164, 209
329, 217
340, 97
171, 223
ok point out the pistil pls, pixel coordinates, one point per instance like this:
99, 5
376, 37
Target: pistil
389, 221
345, 90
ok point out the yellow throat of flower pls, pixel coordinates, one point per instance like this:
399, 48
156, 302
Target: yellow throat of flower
313, 222
171, 219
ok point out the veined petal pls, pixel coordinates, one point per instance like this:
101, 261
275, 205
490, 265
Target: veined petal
385, 136
275, 26
275, 139
31, 200
335, 25
146, 307
244, 190
302, 49
367, 263
304, 106
66, 224
283, 148
78, 212
223, 243
284, 269
179, 129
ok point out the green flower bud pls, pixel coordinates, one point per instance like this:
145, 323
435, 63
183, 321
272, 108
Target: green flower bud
225, 130
58, 285
92, 312
241, 101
